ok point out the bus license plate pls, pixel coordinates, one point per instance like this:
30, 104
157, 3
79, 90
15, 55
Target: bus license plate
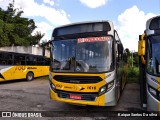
77, 97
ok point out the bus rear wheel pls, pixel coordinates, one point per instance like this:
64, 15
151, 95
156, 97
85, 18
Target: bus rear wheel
29, 76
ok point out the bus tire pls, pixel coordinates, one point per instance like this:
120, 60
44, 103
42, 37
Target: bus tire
30, 76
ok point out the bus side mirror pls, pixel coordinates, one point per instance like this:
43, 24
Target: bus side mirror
142, 48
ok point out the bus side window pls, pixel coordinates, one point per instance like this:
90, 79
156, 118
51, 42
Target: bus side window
6, 59
120, 52
40, 61
43, 63
19, 59
3, 62
18, 62
34, 62
27, 60
47, 61
9, 59
22, 58
31, 60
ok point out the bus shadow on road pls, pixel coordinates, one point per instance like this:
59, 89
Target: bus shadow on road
23, 80
89, 108
132, 109
12, 81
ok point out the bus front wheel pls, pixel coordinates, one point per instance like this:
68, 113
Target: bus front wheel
29, 76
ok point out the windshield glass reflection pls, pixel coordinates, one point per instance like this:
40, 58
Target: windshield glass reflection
87, 56
154, 55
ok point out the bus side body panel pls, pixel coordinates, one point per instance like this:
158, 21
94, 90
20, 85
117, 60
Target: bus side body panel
20, 72
6, 73
39, 70
152, 103
159, 90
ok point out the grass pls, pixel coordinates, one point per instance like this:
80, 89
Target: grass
133, 74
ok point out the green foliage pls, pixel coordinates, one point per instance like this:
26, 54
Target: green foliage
133, 74
4, 38
130, 60
128, 52
38, 35
136, 59
16, 30
1, 26
133, 70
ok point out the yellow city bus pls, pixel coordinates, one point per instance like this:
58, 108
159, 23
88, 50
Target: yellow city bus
149, 65
15, 66
88, 64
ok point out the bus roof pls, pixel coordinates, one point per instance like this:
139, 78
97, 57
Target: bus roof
84, 22
152, 24
27, 54
152, 18
83, 27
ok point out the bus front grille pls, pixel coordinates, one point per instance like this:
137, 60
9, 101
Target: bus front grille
77, 79
84, 96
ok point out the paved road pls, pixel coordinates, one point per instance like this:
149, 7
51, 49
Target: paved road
34, 96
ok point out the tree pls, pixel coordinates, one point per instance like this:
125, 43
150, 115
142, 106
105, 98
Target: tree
128, 52
136, 58
130, 58
16, 30
130, 61
38, 36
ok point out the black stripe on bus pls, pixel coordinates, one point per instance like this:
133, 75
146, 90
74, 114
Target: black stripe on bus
1, 76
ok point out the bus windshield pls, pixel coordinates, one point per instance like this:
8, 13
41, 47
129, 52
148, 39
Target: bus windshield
154, 55
92, 54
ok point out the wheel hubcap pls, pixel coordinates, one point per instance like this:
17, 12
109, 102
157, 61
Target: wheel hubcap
30, 77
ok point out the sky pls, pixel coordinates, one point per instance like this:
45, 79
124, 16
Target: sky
128, 16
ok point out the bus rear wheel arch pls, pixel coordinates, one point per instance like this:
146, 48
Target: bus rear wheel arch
30, 76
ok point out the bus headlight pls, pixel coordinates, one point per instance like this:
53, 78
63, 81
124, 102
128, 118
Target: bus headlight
53, 87
110, 85
102, 90
50, 76
106, 88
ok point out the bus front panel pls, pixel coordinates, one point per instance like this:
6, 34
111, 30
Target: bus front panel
98, 91
153, 93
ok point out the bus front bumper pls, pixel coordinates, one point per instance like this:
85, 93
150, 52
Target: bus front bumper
107, 99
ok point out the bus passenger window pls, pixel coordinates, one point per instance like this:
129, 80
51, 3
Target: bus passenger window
34, 62
3, 62
31, 60
18, 62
